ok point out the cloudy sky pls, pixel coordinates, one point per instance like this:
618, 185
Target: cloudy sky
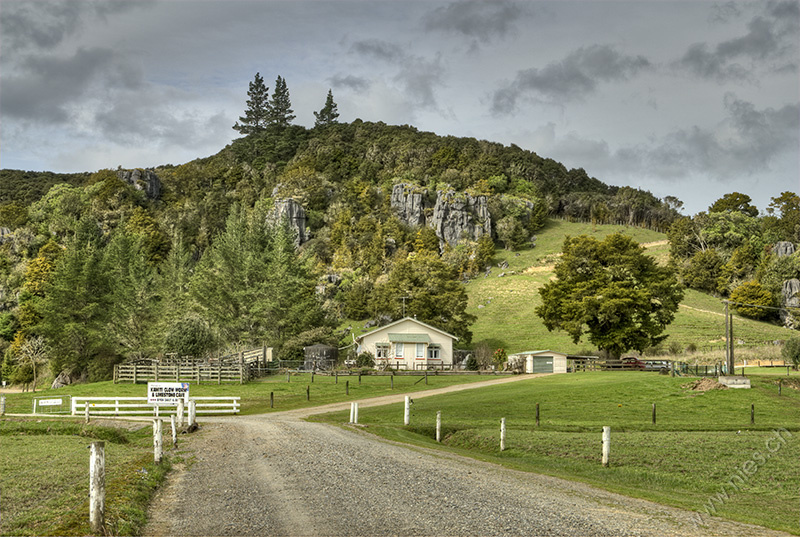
692, 98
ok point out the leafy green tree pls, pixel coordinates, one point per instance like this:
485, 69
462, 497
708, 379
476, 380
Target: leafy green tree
13, 215
134, 297
329, 113
189, 336
251, 284
280, 108
76, 307
258, 113
791, 351
683, 237
703, 271
727, 231
611, 291
784, 211
749, 296
435, 297
511, 233
734, 201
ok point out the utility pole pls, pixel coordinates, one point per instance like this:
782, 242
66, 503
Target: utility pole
403, 298
728, 340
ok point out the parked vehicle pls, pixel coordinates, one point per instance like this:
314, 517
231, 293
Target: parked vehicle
633, 363
656, 365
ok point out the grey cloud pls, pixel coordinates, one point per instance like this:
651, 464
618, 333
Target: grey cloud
483, 20
45, 87
418, 76
355, 83
45, 24
380, 50
770, 36
746, 142
572, 78
722, 13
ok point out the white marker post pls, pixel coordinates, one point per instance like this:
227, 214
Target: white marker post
439, 426
407, 413
157, 449
502, 434
606, 444
97, 486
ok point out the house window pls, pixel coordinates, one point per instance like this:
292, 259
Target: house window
433, 353
381, 352
420, 351
398, 350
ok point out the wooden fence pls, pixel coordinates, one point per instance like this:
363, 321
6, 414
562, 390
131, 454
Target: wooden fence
198, 374
239, 367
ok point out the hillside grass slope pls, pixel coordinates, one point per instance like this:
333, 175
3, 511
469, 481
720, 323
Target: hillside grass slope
505, 305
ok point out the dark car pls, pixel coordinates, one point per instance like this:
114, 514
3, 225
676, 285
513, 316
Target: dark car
632, 363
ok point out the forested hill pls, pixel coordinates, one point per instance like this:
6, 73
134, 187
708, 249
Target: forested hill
120, 264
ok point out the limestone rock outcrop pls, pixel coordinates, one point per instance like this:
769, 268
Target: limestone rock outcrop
295, 216
408, 203
458, 215
145, 180
790, 298
783, 248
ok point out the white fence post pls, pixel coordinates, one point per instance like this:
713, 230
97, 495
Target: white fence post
179, 412
86, 411
192, 412
157, 449
174, 432
356, 413
3, 405
502, 434
352, 412
407, 412
606, 444
97, 484
439, 426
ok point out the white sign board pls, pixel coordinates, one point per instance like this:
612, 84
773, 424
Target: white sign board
167, 393
50, 402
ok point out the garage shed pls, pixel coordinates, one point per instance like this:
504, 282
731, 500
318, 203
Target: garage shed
539, 361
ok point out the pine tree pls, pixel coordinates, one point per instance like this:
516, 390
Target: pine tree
281, 106
257, 115
328, 114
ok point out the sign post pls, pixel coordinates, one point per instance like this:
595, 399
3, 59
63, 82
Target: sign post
167, 393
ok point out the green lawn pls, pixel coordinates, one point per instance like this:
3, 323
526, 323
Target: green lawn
44, 468
255, 396
701, 440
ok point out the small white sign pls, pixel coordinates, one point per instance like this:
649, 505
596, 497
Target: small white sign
50, 402
167, 393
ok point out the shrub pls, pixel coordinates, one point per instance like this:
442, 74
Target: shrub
365, 359
791, 351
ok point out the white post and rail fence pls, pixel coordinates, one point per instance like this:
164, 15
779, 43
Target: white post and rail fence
139, 406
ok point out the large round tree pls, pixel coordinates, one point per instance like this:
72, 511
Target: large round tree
611, 291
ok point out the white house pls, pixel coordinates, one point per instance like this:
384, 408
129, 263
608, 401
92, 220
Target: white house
409, 344
539, 361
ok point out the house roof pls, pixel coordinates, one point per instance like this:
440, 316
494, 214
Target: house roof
385, 327
410, 338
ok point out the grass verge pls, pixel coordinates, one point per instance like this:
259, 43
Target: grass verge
44, 477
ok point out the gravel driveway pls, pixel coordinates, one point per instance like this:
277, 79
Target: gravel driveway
279, 475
